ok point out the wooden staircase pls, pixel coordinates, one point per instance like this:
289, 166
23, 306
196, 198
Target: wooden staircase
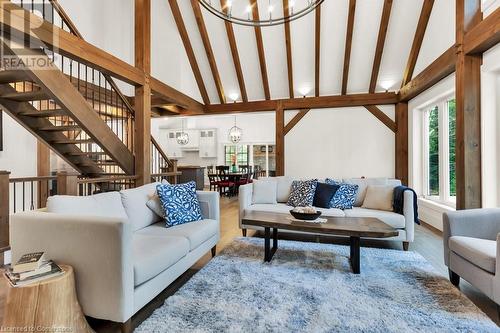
51, 106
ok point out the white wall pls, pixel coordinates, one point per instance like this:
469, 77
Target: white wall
19, 154
343, 142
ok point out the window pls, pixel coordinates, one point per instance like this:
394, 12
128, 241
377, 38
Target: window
439, 151
236, 155
433, 151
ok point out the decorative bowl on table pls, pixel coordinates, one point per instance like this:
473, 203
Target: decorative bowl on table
305, 213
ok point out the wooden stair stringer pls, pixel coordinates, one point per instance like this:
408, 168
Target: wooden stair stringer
59, 88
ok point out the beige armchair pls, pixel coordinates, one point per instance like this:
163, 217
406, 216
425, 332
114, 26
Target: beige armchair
470, 248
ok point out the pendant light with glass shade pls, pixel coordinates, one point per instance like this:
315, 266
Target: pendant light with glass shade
235, 133
183, 138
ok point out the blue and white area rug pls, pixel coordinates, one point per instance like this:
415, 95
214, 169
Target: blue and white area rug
309, 287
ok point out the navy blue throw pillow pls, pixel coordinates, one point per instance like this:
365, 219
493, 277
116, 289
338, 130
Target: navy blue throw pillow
324, 194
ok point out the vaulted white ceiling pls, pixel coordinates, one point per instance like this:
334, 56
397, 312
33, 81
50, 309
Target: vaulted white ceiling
170, 63
402, 26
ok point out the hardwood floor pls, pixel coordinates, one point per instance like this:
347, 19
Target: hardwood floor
428, 243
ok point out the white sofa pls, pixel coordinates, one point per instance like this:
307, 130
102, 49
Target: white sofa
404, 223
122, 253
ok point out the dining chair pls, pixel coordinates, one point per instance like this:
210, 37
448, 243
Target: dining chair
224, 184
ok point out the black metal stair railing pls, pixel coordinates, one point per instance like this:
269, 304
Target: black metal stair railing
99, 89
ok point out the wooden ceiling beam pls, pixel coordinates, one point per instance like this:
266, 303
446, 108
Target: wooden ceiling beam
260, 50
380, 115
440, 68
295, 120
163, 90
348, 45
484, 35
181, 27
382, 33
288, 43
235, 54
202, 28
336, 101
425, 14
317, 50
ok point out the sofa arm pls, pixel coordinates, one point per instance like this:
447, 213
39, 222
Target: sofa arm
245, 199
477, 223
98, 248
209, 204
409, 215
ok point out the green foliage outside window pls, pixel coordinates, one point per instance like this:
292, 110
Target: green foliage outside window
236, 155
434, 152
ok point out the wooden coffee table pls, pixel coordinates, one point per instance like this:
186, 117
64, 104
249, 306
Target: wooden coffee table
353, 227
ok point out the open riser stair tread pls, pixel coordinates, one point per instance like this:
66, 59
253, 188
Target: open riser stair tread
60, 128
13, 76
52, 82
28, 96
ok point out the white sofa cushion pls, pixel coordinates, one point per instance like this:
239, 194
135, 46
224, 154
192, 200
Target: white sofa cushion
195, 232
362, 187
264, 191
134, 201
480, 252
284, 187
285, 209
152, 254
107, 204
395, 220
379, 197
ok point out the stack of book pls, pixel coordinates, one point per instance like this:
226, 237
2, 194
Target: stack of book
30, 268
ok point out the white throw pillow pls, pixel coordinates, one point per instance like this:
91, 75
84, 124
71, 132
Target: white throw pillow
134, 201
363, 184
154, 202
379, 197
155, 205
284, 187
264, 191
107, 204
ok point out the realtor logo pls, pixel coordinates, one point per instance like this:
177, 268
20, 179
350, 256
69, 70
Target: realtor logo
27, 41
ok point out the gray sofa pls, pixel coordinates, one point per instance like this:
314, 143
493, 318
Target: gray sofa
122, 253
471, 250
404, 223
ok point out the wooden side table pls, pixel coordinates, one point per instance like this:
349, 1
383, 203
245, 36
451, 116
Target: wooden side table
46, 305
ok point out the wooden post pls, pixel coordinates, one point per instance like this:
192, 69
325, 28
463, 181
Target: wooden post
401, 141
43, 169
468, 110
4, 213
174, 169
280, 140
142, 104
67, 184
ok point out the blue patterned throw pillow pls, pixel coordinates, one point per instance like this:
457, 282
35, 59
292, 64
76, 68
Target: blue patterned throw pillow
345, 196
302, 194
180, 203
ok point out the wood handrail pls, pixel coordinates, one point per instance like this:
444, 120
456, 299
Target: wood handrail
105, 179
167, 174
162, 153
74, 30
31, 179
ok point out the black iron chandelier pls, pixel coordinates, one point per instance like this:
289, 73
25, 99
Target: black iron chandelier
243, 11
